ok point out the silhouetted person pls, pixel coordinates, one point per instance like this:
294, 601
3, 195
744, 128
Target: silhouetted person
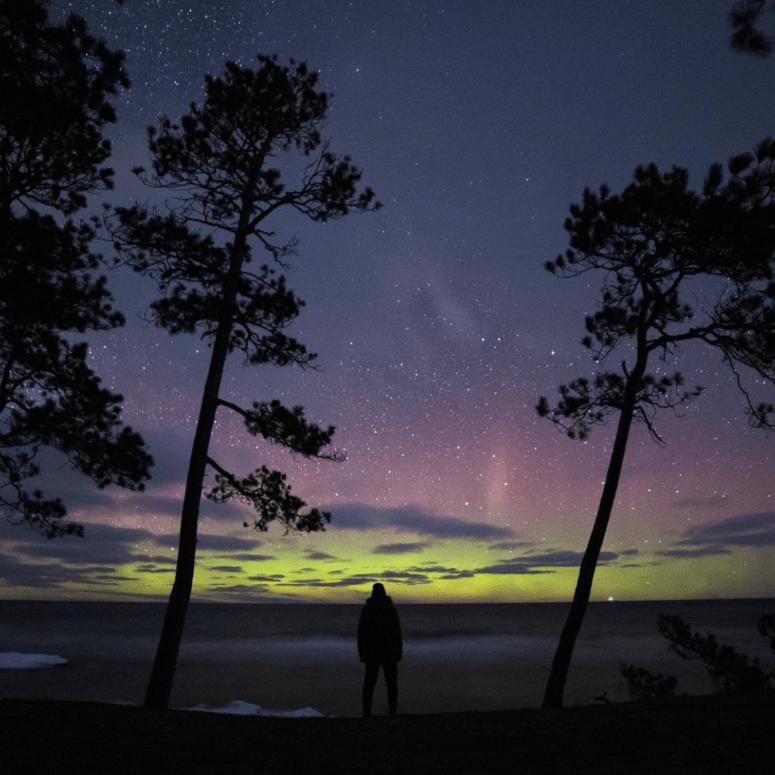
380, 645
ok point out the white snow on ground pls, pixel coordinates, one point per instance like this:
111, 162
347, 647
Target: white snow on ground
12, 660
240, 708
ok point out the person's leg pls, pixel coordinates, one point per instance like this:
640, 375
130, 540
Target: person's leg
391, 679
369, 682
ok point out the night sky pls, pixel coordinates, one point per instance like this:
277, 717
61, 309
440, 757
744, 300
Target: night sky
436, 325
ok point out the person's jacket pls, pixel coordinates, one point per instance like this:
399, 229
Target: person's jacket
379, 631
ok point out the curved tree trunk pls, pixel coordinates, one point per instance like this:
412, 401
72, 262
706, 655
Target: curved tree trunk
159, 687
555, 687
160, 683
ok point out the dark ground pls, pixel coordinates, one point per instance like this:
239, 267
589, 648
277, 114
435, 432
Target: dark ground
687, 735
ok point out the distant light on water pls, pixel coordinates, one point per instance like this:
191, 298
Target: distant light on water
610, 600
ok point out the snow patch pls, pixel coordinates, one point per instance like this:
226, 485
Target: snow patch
12, 660
303, 713
240, 708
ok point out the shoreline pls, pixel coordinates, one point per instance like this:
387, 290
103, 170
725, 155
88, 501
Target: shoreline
709, 734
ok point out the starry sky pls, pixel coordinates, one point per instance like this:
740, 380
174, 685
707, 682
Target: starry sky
436, 326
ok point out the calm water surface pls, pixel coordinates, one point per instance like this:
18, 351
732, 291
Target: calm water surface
287, 657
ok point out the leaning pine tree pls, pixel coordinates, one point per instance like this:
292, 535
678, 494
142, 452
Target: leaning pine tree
222, 162
655, 243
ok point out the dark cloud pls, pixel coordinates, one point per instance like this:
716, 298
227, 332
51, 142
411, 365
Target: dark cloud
512, 568
542, 563
216, 543
102, 544
455, 575
109, 578
18, 572
565, 559
360, 579
156, 559
399, 548
29, 560
254, 593
314, 555
252, 557
443, 573
744, 530
167, 541
413, 519
432, 568
226, 569
271, 577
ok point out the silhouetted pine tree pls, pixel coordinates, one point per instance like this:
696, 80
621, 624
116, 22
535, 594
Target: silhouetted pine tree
223, 165
652, 243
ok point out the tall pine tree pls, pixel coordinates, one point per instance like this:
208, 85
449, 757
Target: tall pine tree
652, 244
233, 165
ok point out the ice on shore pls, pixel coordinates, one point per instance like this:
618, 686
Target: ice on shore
12, 660
240, 708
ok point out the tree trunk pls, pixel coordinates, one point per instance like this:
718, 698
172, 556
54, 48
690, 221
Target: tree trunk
160, 683
553, 695
159, 687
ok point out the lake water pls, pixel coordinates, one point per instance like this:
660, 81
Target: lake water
289, 657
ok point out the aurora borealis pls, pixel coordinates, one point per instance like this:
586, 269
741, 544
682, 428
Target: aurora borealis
436, 326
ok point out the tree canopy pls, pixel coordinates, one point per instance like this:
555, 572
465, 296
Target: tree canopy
56, 82
747, 35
